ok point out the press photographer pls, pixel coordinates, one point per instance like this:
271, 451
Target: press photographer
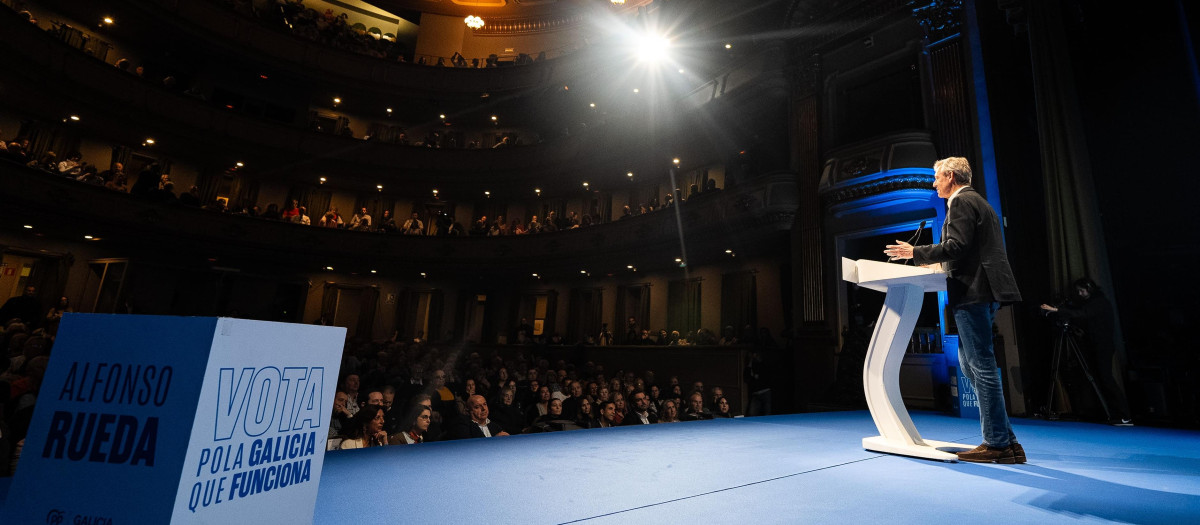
1088, 313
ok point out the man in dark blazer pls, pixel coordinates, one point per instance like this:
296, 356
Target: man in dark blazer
640, 415
479, 425
978, 281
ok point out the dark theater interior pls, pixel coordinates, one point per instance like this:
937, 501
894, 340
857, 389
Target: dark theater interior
593, 202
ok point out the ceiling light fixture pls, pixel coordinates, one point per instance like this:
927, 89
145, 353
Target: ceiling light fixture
473, 22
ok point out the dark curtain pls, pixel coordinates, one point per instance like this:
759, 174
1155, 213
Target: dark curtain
329, 303
208, 181
45, 137
586, 313
246, 192
436, 306
366, 313
1074, 229
632, 300
683, 306
739, 302
316, 201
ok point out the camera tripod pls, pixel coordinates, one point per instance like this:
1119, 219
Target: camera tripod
1066, 342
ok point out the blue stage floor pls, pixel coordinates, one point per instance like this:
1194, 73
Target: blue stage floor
807, 468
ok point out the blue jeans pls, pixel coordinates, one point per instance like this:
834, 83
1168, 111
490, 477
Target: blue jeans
977, 358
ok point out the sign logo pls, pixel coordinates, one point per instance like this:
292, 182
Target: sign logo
54, 517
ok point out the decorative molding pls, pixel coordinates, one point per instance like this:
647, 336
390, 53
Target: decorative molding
939, 18
906, 181
530, 25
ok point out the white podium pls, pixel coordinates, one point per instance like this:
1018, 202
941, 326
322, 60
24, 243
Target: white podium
905, 287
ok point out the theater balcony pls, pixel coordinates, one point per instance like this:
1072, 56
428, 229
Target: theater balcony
749, 221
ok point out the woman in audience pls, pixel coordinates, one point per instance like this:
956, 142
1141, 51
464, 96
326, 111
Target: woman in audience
540, 406
586, 417
722, 408
366, 429
416, 430
669, 412
553, 413
622, 409
54, 316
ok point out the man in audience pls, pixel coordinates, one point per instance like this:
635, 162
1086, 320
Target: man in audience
608, 414
640, 413
24, 307
361, 221
480, 425
413, 226
695, 410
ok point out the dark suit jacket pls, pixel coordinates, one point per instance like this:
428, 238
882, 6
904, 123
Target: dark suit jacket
972, 247
633, 419
473, 430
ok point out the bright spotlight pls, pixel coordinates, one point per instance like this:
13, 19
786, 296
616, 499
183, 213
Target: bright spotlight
652, 48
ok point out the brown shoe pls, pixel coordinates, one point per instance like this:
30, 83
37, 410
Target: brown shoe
986, 454
1018, 452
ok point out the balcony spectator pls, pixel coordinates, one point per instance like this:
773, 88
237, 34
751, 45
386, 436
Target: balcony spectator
413, 226
361, 221
147, 179
331, 219
291, 211
89, 176
54, 315
303, 217
24, 307
71, 166
387, 223
534, 226
48, 162
165, 194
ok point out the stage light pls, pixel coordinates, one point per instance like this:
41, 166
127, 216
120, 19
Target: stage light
322, 180
593, 104
493, 118
651, 48
728, 46
585, 185
373, 271
89, 237
675, 161
108, 20
330, 268
379, 187
336, 101
630, 174
442, 116
74, 118
240, 164
473, 22
538, 191
389, 110
28, 226
487, 194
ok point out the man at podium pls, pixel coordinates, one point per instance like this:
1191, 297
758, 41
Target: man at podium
978, 281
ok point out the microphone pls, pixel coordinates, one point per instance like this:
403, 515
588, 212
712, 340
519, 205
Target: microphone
915, 237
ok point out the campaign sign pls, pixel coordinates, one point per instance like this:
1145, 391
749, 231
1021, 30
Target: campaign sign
150, 419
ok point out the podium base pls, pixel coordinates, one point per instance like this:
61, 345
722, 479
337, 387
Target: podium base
930, 450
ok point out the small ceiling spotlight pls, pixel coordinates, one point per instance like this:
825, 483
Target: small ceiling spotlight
89, 237
379, 187
538, 191
636, 90
373, 271
487, 194
389, 111
593, 104
108, 20
617, 2
675, 161
585, 185
728, 251
584, 272
536, 275
435, 192
442, 116
473, 22
240, 164
677, 259
681, 70
629, 266
322, 180
493, 118
422, 274
74, 118
148, 142
630, 174
728, 46
336, 101
28, 226
330, 268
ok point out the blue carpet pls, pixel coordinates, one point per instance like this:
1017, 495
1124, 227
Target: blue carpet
780, 469
806, 468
